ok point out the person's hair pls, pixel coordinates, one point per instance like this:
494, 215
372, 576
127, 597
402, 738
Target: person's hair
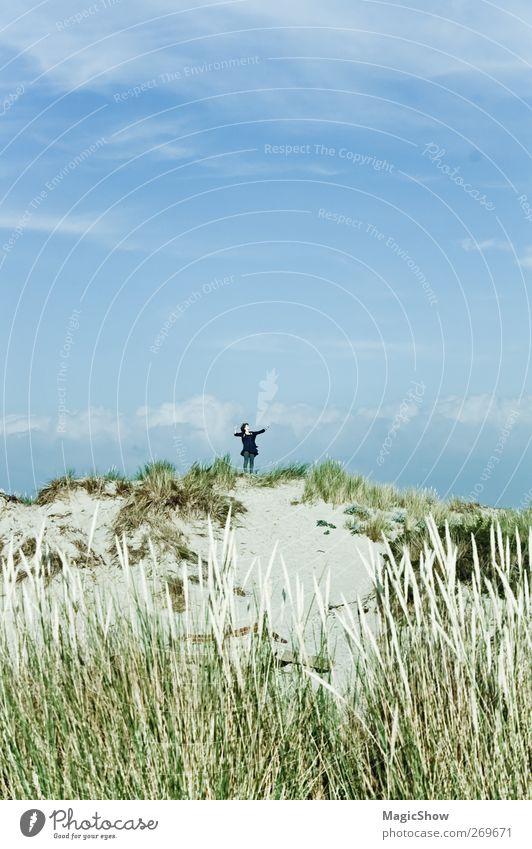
243, 426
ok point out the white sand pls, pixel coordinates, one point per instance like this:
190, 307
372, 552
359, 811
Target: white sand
273, 524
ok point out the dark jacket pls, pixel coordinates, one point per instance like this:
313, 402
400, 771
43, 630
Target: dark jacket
248, 440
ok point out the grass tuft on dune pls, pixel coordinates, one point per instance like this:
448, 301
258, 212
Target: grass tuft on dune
160, 496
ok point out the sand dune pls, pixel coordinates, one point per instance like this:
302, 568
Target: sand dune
278, 539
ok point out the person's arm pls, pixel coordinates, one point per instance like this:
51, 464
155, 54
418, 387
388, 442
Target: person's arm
258, 432
237, 433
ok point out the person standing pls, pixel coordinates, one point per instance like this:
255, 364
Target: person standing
249, 446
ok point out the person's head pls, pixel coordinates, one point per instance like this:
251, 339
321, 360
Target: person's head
245, 427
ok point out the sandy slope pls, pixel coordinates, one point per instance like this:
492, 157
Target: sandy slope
275, 519
275, 523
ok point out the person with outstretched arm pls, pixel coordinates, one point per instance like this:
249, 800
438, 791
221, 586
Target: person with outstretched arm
249, 446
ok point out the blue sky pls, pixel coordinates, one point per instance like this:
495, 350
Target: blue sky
313, 216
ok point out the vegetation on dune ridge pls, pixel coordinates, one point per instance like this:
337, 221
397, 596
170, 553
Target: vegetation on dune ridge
160, 496
331, 482
383, 511
110, 484
437, 704
374, 509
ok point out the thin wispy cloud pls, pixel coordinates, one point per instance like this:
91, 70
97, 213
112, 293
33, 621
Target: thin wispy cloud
206, 415
525, 261
110, 47
486, 245
16, 425
72, 225
246, 141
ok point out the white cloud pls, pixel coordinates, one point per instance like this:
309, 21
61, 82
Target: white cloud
486, 244
156, 135
132, 41
208, 417
525, 261
407, 410
198, 412
206, 414
14, 424
302, 417
94, 423
477, 409
15, 224
272, 343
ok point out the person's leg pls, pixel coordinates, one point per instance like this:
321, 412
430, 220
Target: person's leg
251, 463
246, 460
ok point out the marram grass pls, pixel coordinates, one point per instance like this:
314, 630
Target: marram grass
114, 699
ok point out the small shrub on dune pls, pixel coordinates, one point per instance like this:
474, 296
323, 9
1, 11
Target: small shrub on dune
358, 510
98, 486
462, 529
57, 488
156, 470
176, 592
280, 475
435, 705
220, 473
332, 483
161, 496
377, 525
113, 474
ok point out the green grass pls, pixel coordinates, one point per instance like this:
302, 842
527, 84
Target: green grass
331, 482
375, 526
280, 475
160, 497
438, 707
220, 473
154, 469
96, 485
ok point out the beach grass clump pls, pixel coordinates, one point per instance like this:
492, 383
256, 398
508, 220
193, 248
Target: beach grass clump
473, 534
436, 704
280, 474
175, 587
220, 473
159, 490
156, 470
57, 488
159, 497
113, 474
108, 485
24, 498
376, 525
331, 482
